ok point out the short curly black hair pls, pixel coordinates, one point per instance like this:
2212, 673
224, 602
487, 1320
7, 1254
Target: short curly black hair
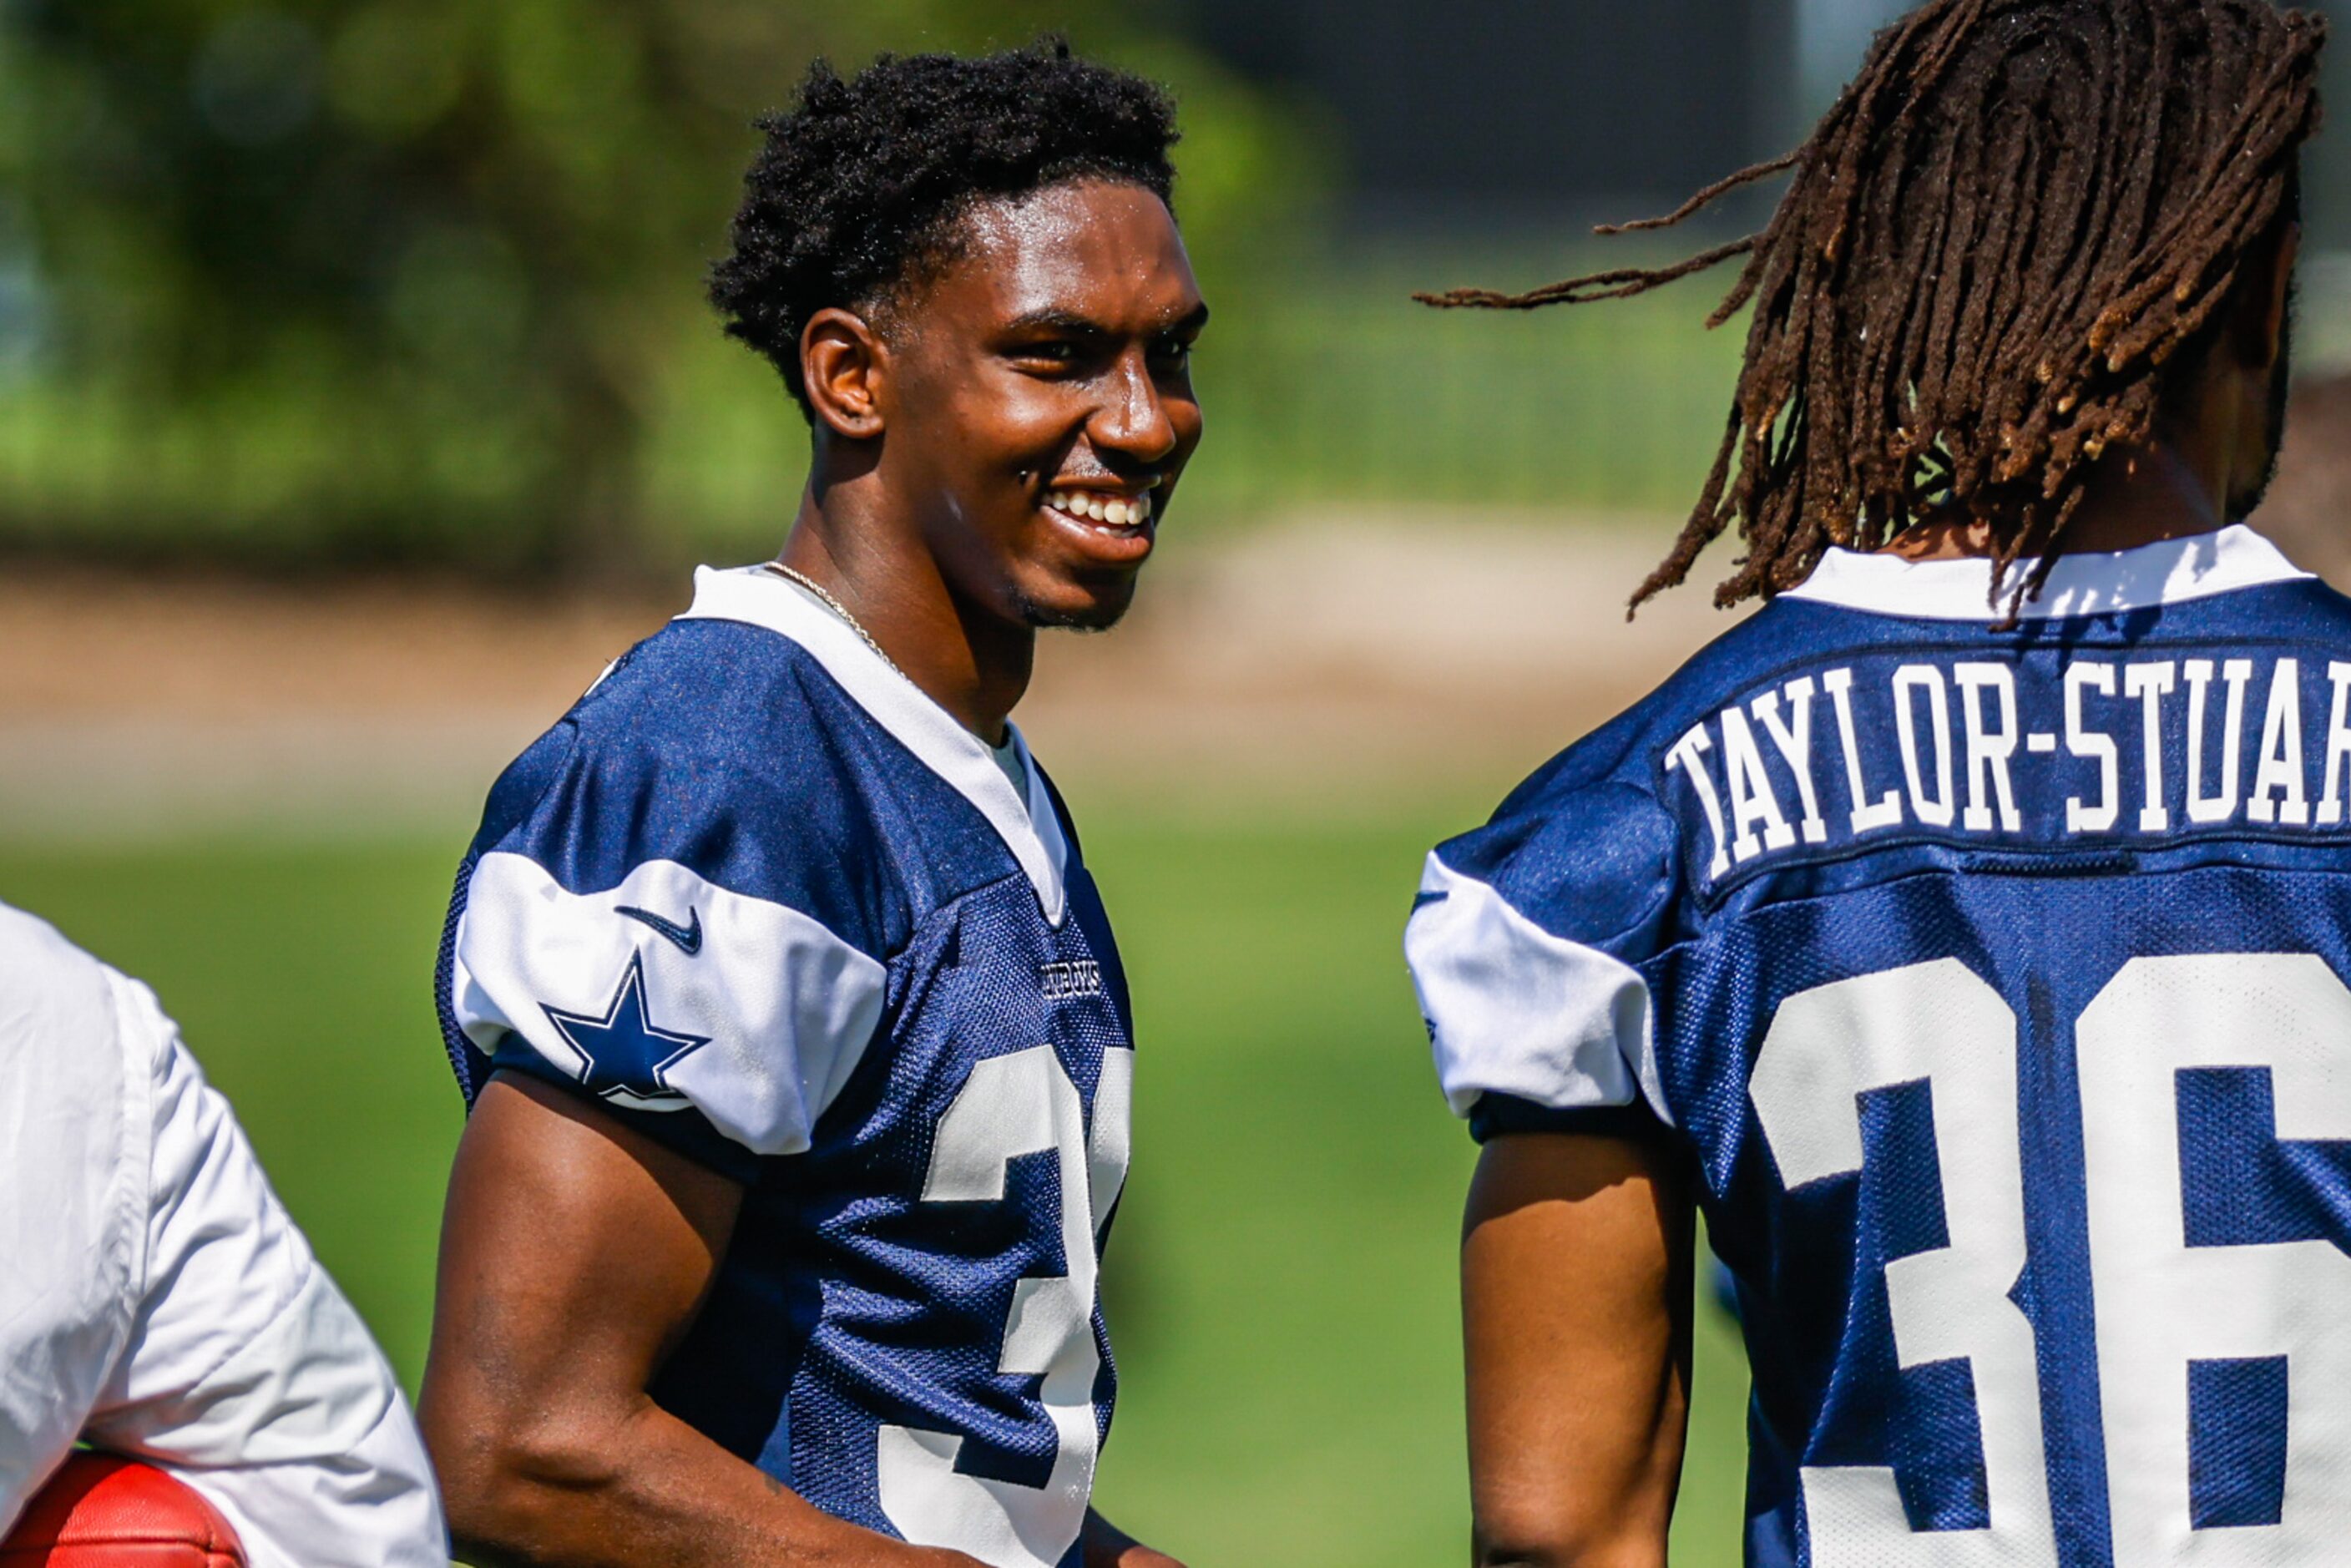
862, 182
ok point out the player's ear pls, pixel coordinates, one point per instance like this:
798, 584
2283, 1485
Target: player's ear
843, 360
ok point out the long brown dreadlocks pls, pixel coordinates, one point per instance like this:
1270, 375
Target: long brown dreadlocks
2015, 217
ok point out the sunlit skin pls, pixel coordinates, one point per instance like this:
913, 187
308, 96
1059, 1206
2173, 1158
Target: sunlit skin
1051, 354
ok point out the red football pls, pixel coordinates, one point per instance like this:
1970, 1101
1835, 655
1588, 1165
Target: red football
100, 1511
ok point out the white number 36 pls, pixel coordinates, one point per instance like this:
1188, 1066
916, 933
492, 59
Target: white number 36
2160, 1304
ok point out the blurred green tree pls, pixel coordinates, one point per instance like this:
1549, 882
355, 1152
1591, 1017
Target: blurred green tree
365, 279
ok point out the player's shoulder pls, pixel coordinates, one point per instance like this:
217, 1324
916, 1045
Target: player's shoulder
693, 891
734, 709
71, 1040
54, 997
1528, 934
1588, 845
37, 958
725, 757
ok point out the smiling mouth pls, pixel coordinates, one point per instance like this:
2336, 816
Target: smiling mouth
1109, 511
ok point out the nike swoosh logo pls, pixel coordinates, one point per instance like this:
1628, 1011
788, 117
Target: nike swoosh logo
687, 939
1420, 901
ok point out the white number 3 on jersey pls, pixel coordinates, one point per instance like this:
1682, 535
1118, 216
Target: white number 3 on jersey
2161, 1305
1023, 1103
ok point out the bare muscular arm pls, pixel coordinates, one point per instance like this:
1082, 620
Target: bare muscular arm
574, 1255
1575, 1272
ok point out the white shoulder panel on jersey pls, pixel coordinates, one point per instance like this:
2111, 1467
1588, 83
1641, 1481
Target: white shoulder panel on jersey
1513, 1010
781, 1007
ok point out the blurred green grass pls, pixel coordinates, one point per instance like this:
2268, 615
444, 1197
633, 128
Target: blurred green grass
1282, 1284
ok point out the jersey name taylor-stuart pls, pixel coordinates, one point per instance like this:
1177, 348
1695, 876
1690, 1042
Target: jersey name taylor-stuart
2049, 746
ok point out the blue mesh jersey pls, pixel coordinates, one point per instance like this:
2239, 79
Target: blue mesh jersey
1994, 984
772, 907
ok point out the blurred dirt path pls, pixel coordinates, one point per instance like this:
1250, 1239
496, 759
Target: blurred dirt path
1331, 665
1328, 666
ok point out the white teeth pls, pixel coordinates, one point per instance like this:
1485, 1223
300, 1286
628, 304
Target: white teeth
1119, 512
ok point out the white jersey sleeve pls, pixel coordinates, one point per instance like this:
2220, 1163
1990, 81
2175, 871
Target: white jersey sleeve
751, 1024
1526, 943
1513, 1011
189, 1323
707, 963
73, 1201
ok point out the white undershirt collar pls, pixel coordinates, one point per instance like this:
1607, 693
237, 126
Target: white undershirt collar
1031, 830
2171, 572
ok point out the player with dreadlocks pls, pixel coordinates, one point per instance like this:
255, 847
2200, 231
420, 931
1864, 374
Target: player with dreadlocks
2013, 222
1968, 934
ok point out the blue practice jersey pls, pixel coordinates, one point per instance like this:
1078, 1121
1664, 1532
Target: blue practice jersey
1994, 983
769, 906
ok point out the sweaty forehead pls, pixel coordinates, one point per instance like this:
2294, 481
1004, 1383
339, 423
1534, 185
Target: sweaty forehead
1092, 248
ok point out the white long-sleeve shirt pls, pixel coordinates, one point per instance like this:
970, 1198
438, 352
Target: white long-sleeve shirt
156, 1299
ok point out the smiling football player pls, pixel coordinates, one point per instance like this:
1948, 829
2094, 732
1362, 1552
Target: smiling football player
796, 1046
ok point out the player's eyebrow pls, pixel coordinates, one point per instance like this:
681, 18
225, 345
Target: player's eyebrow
1052, 319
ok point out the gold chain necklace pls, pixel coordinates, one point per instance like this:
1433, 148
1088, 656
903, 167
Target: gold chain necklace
838, 608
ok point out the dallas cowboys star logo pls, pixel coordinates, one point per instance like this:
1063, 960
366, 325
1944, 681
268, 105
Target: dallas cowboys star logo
628, 1059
